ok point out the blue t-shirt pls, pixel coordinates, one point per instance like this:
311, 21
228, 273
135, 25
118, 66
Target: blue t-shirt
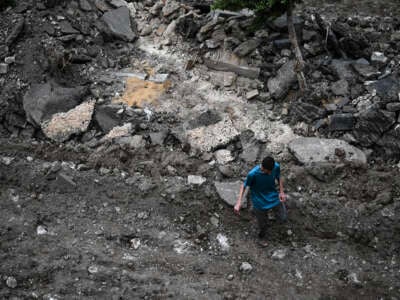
262, 187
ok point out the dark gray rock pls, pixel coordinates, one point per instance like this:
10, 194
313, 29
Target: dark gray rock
371, 125
43, 100
341, 122
229, 192
247, 47
187, 26
158, 138
365, 70
117, 24
85, 5
280, 85
388, 88
66, 28
65, 183
282, 44
340, 88
106, 117
395, 106
307, 112
390, 141
281, 22
3, 68
15, 32
342, 69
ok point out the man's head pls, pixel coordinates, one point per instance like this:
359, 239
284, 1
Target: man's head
267, 164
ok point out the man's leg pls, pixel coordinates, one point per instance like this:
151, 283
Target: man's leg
281, 212
262, 220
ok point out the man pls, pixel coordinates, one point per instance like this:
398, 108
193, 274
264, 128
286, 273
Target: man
262, 180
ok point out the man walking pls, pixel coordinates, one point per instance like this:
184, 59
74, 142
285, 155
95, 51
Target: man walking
262, 180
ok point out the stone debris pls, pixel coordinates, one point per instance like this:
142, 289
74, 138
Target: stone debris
245, 267
135, 243
63, 125
118, 24
118, 132
223, 242
316, 150
279, 254
223, 156
279, 86
229, 192
196, 179
11, 282
3, 68
252, 94
41, 230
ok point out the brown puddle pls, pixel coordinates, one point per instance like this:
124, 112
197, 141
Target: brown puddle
139, 92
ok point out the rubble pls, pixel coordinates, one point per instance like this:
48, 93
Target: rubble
229, 192
117, 24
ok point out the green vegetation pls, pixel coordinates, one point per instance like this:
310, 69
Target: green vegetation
6, 3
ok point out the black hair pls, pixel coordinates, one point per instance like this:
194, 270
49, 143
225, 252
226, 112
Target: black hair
268, 163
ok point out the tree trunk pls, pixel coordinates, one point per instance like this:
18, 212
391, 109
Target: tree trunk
293, 39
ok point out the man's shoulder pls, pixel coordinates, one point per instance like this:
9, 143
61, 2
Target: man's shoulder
255, 170
277, 165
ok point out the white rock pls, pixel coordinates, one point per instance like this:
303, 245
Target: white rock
223, 156
9, 60
196, 180
279, 254
3, 68
11, 282
6, 160
40, 230
223, 242
245, 267
93, 269
135, 243
379, 57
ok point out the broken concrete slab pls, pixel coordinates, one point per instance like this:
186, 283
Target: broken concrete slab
252, 94
119, 131
208, 138
117, 24
43, 100
315, 150
223, 156
247, 47
229, 62
229, 192
196, 179
279, 86
63, 125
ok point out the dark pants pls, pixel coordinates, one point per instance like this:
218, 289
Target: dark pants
262, 217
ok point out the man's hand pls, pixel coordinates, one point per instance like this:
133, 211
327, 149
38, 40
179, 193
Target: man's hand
282, 197
236, 209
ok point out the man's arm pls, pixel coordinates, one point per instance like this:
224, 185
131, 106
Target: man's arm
282, 195
239, 200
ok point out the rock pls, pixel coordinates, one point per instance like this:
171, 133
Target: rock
41, 230
159, 78
15, 32
245, 267
169, 8
307, 112
341, 122
9, 60
102, 5
229, 192
146, 30
11, 282
379, 57
390, 141
342, 69
282, 44
118, 24
223, 156
365, 70
229, 78
3, 68
65, 183
212, 44
118, 132
62, 125
223, 242
279, 254
372, 123
252, 94
315, 150
196, 180
281, 22
66, 28
186, 26
214, 221
340, 88
229, 63
158, 138
394, 106
93, 269
156, 9
135, 142
279, 86
247, 47
43, 100
106, 117
388, 88
85, 5
118, 3
230, 277
213, 136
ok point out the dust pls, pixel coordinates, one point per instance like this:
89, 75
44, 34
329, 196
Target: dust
139, 92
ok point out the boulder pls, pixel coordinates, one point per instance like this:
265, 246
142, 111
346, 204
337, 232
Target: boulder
388, 88
229, 192
309, 150
41, 101
106, 117
372, 123
117, 24
390, 141
62, 125
247, 47
286, 76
